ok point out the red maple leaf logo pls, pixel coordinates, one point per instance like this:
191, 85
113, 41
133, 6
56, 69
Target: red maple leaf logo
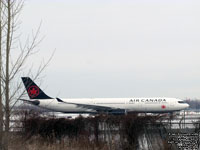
163, 106
33, 91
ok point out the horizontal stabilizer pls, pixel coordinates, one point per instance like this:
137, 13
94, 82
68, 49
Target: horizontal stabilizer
34, 102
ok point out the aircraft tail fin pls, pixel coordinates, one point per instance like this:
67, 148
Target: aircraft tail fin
34, 92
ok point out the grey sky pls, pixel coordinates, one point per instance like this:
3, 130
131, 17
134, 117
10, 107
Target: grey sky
120, 48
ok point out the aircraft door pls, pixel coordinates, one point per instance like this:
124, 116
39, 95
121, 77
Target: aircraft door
171, 105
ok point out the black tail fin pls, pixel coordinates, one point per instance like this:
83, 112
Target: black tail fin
34, 92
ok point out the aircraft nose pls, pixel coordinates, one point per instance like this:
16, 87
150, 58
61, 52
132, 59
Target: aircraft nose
187, 105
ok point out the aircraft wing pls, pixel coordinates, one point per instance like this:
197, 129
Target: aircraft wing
88, 106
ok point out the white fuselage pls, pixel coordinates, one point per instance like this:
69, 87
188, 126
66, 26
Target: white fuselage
157, 105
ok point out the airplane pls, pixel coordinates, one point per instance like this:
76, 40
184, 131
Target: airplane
101, 105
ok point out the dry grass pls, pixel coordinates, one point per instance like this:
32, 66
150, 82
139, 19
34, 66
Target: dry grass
99, 133
38, 143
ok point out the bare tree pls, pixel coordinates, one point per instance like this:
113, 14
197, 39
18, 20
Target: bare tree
11, 68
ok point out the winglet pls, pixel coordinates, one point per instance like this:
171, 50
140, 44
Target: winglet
59, 100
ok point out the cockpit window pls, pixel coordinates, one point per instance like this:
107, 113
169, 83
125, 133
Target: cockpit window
182, 102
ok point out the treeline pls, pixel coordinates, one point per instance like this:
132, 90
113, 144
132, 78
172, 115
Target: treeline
104, 132
194, 103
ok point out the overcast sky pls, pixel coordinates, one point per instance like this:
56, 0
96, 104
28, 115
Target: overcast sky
118, 48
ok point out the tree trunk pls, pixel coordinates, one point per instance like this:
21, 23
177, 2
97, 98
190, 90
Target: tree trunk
1, 108
7, 99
